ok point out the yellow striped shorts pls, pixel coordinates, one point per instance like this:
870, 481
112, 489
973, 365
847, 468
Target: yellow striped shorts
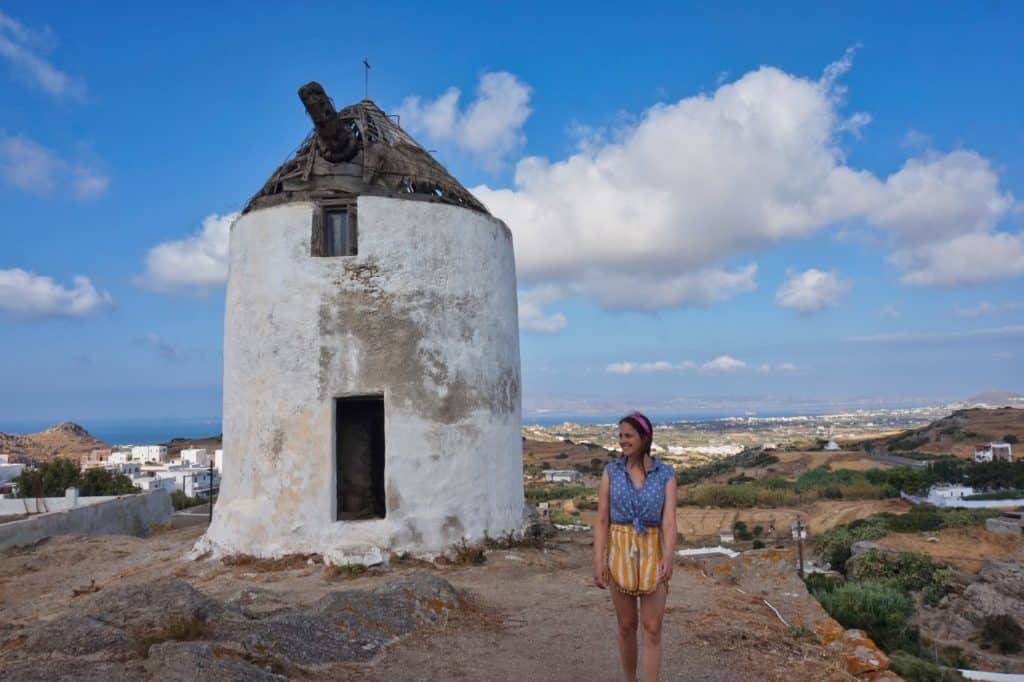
633, 559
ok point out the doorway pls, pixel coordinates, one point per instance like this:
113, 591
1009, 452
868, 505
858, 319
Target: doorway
359, 457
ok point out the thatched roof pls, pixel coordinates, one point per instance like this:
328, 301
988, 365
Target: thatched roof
358, 150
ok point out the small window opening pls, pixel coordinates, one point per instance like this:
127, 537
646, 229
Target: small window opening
359, 457
335, 232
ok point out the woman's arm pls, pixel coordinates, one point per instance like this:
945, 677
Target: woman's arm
601, 531
668, 531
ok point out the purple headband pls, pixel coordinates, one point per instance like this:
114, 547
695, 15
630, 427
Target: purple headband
643, 422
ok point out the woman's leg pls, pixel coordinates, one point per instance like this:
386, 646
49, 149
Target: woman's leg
625, 614
652, 611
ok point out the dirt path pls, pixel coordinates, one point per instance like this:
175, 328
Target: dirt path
529, 614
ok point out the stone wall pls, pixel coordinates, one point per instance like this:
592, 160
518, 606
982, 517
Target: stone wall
125, 515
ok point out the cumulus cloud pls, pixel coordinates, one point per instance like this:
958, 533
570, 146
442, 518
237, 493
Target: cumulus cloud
31, 167
199, 261
488, 128
968, 259
636, 217
25, 294
25, 50
532, 317
723, 363
810, 291
647, 367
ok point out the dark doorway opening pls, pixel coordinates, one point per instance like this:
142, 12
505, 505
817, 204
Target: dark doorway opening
359, 457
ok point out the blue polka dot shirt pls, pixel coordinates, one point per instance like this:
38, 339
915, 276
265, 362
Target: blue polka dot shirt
642, 506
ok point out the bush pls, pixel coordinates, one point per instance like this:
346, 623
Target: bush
103, 482
1004, 633
180, 500
907, 571
1011, 439
914, 669
51, 479
834, 544
464, 553
757, 545
537, 494
881, 610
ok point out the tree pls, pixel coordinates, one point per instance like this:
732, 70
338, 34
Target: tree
103, 482
49, 479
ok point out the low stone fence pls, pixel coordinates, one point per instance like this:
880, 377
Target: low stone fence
123, 515
41, 505
957, 503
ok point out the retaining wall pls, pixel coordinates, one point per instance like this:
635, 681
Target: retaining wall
124, 515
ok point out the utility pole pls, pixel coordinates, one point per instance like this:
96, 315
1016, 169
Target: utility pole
798, 535
209, 496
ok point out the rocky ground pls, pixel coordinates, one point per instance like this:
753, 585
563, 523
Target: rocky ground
123, 607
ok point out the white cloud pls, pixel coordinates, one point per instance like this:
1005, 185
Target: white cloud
810, 291
1009, 331
723, 363
25, 50
31, 167
767, 368
890, 310
986, 308
170, 352
199, 261
532, 317
489, 128
688, 187
26, 294
967, 259
647, 367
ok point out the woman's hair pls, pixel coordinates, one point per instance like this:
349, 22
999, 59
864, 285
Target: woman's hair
643, 426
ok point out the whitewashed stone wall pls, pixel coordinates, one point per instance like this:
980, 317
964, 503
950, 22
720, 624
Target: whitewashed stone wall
426, 315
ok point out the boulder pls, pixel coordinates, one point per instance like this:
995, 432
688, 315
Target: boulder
202, 662
168, 609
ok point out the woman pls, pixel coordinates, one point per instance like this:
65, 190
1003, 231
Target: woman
634, 542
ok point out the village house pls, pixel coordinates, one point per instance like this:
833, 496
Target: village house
197, 457
941, 494
371, 354
562, 475
996, 451
149, 453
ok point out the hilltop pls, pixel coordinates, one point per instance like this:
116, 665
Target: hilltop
66, 439
956, 434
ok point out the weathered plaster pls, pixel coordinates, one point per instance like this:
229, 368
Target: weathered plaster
426, 316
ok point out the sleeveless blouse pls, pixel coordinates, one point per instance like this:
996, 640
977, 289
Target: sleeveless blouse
641, 507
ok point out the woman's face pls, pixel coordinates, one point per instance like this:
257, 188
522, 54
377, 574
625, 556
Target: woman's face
630, 441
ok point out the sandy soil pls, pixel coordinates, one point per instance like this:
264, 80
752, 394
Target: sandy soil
964, 548
529, 614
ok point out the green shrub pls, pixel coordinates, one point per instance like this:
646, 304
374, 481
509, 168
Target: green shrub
881, 610
834, 544
1002, 632
537, 494
757, 545
914, 669
180, 500
907, 571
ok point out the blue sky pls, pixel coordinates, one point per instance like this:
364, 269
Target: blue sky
735, 205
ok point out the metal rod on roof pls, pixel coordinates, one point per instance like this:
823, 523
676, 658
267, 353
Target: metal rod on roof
366, 78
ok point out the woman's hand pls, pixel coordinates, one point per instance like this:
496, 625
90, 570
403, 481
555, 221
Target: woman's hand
599, 577
665, 569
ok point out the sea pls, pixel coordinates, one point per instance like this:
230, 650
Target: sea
142, 431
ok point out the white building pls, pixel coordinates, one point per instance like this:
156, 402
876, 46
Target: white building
121, 456
218, 460
371, 354
943, 492
832, 446
147, 483
197, 457
562, 475
995, 451
149, 453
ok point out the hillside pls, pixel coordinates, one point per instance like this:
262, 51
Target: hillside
956, 434
63, 440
